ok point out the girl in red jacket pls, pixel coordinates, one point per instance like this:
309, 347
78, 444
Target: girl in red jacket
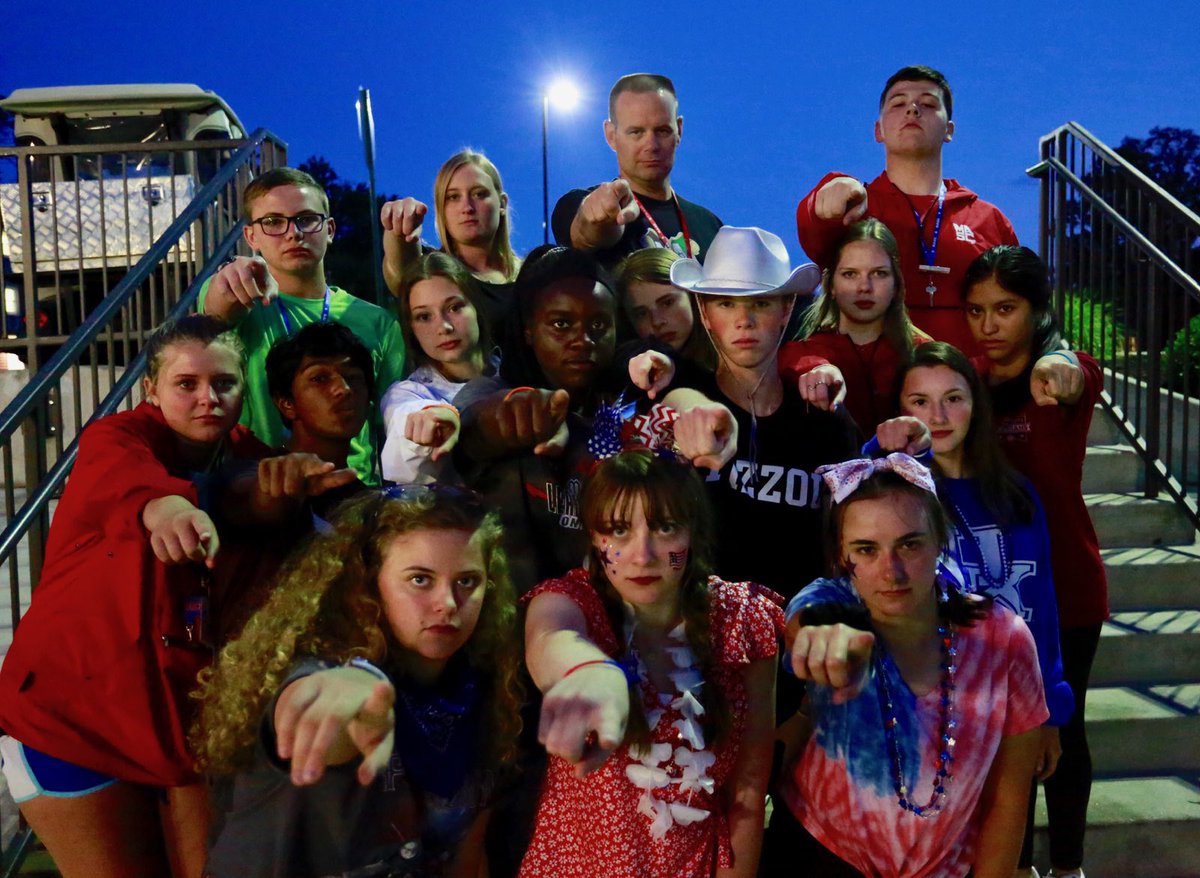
93, 692
1042, 397
859, 327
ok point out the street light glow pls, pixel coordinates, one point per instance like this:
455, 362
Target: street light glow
563, 95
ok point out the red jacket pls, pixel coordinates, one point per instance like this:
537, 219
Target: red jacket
1047, 445
869, 371
88, 678
970, 226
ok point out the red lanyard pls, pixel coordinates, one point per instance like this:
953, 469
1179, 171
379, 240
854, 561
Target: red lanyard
683, 226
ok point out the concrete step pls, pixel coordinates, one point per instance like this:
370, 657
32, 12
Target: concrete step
1153, 578
1141, 660
1129, 520
1111, 469
1143, 732
1103, 429
1144, 828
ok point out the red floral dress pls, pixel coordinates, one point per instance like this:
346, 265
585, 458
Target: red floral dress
594, 826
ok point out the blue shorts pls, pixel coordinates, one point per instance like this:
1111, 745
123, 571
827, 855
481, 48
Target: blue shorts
31, 773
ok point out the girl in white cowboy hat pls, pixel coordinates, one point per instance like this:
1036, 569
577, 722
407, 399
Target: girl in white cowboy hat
926, 730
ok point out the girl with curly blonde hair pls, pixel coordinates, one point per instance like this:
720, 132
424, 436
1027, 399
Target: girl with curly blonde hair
392, 638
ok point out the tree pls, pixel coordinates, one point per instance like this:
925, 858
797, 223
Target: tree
1170, 157
350, 262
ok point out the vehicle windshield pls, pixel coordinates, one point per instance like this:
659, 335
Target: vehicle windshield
120, 129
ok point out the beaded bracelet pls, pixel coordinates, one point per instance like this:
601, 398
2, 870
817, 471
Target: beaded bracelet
630, 678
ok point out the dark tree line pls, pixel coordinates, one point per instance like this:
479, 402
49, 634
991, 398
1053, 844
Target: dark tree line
1170, 157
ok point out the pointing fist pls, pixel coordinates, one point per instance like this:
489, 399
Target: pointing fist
404, 218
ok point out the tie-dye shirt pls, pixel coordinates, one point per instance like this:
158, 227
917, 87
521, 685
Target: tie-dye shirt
842, 788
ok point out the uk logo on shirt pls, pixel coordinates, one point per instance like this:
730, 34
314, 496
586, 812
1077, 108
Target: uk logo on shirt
992, 578
964, 233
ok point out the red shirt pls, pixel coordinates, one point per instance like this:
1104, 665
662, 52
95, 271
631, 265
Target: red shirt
592, 827
970, 226
869, 370
88, 678
1047, 445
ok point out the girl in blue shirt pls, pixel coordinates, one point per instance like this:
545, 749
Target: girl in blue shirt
999, 543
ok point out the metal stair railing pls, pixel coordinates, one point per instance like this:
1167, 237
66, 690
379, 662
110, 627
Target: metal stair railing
1124, 256
32, 421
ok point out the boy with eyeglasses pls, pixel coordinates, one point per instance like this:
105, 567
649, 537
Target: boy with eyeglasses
282, 288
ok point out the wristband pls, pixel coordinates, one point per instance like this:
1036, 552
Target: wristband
631, 677
442, 405
1066, 355
517, 390
362, 664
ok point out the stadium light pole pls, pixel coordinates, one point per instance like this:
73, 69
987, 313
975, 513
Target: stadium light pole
564, 96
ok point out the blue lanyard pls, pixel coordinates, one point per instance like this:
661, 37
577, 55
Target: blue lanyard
288, 328
929, 254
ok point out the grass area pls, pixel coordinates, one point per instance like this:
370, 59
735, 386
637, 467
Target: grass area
1093, 326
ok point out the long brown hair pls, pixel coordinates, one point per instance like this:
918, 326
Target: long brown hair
670, 493
327, 604
438, 264
1001, 488
824, 316
653, 266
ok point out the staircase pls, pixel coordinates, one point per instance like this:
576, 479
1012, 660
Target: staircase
1123, 258
68, 380
1143, 711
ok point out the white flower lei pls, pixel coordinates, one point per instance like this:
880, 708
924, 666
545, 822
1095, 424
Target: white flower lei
694, 759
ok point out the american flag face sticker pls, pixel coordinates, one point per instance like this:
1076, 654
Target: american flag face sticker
677, 559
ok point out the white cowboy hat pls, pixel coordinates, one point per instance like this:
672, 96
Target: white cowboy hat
745, 262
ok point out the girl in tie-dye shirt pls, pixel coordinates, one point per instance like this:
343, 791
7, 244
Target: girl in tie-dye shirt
924, 742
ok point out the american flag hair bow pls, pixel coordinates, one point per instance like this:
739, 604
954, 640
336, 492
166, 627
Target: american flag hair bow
843, 479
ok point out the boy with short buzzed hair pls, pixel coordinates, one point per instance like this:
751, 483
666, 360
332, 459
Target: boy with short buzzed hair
940, 225
283, 287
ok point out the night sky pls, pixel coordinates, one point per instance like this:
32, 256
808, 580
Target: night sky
772, 94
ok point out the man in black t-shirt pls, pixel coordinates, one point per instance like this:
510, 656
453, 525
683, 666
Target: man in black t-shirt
639, 209
768, 498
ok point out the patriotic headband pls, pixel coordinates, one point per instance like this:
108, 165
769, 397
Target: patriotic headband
843, 479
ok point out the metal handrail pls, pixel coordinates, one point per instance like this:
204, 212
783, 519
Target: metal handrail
35, 391
1189, 283
151, 147
1116, 160
1123, 254
57, 475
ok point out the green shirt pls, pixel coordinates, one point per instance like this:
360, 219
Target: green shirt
262, 325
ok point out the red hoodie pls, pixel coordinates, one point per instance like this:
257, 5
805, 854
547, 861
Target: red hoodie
970, 226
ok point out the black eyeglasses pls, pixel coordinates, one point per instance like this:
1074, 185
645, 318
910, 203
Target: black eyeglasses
277, 226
